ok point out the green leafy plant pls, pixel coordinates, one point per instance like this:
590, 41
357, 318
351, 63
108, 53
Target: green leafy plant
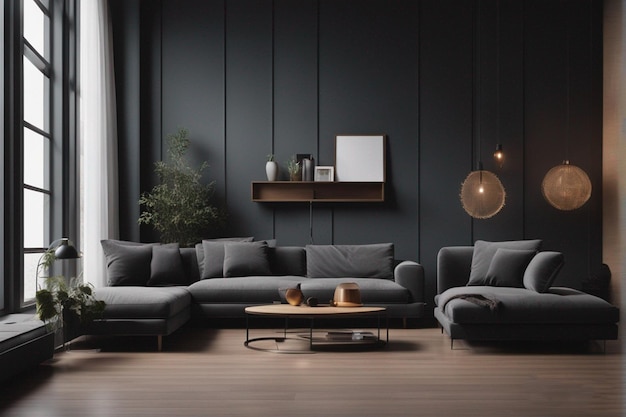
178, 207
293, 167
58, 300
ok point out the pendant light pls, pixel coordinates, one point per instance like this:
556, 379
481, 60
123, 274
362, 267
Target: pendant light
482, 193
566, 187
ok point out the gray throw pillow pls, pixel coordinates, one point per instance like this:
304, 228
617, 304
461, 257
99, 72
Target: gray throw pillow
200, 257
350, 261
211, 261
166, 267
507, 268
128, 263
484, 252
542, 271
243, 259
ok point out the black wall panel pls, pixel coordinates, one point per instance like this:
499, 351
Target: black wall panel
193, 80
445, 80
368, 85
295, 101
126, 37
249, 110
446, 127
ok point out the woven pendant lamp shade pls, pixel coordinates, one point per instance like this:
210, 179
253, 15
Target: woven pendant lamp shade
482, 194
566, 187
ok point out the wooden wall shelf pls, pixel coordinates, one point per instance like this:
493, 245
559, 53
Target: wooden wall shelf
311, 191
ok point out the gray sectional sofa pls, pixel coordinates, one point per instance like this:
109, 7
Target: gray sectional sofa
499, 291
154, 289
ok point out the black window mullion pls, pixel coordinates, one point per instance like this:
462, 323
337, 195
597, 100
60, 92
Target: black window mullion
35, 129
36, 59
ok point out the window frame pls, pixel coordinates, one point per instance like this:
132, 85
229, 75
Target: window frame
62, 109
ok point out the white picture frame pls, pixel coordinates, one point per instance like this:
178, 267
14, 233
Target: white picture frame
324, 174
360, 158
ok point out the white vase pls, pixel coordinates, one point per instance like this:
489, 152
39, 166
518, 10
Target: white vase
271, 170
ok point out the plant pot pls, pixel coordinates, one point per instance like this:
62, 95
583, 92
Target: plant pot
271, 170
72, 327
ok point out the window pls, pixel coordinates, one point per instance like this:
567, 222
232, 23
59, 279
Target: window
38, 163
36, 138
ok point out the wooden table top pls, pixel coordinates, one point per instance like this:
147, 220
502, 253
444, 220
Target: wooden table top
303, 310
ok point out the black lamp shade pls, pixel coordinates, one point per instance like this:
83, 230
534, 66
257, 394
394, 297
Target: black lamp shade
66, 251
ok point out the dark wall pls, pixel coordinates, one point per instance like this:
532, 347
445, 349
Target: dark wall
445, 80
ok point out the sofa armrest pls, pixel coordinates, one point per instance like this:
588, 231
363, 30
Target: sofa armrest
410, 275
454, 264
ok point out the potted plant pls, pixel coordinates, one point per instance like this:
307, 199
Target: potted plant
271, 168
179, 208
293, 167
66, 306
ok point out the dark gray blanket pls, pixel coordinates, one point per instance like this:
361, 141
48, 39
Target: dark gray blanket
489, 302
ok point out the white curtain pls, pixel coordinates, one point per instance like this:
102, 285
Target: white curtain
98, 138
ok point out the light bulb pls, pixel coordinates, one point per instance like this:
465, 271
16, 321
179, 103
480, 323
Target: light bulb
498, 155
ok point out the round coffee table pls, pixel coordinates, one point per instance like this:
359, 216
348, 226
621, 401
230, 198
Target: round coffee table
288, 311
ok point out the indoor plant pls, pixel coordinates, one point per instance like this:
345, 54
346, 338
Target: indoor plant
178, 207
293, 167
66, 306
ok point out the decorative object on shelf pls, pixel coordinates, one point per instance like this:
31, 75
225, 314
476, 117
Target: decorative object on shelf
482, 194
324, 174
60, 303
179, 207
271, 168
307, 166
566, 187
360, 158
293, 167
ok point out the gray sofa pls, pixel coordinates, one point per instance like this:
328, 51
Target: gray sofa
512, 298
155, 289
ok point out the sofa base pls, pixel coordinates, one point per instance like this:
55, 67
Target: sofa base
139, 327
526, 332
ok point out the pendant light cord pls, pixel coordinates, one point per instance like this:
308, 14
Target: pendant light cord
497, 72
478, 84
567, 81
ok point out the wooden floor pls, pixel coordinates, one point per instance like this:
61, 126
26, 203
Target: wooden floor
208, 372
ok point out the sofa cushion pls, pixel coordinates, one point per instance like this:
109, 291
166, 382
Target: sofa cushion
372, 290
484, 252
166, 267
128, 263
522, 306
143, 302
243, 290
507, 268
542, 271
245, 259
354, 261
287, 260
211, 262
